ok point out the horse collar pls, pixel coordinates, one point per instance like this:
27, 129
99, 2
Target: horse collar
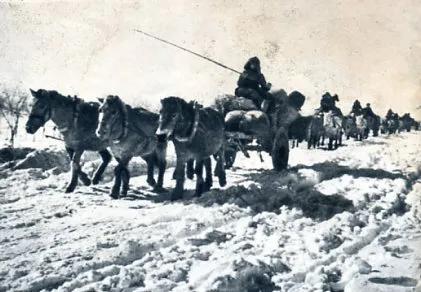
76, 103
190, 137
125, 122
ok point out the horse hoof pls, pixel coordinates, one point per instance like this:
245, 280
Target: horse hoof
151, 182
207, 187
95, 181
114, 196
176, 196
222, 181
160, 189
87, 182
69, 189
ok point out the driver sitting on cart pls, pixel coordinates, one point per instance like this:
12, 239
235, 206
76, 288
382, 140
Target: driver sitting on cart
252, 83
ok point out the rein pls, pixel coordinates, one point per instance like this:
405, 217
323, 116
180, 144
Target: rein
190, 137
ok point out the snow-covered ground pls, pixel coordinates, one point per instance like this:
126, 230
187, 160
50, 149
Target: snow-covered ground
348, 220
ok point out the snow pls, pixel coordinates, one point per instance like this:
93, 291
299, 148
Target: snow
339, 220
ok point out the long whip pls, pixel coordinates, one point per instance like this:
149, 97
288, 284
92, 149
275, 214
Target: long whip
187, 50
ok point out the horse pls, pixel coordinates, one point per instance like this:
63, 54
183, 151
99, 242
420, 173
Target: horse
297, 131
314, 131
361, 125
373, 123
416, 125
132, 131
77, 121
349, 126
383, 126
197, 133
406, 122
332, 128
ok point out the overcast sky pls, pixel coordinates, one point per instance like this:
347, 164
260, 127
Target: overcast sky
369, 50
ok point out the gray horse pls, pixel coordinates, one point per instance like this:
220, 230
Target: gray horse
197, 134
132, 131
77, 121
332, 129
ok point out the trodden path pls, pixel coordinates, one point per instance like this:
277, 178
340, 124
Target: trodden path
341, 220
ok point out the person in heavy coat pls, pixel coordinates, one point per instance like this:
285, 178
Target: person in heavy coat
368, 112
252, 83
328, 103
389, 114
356, 108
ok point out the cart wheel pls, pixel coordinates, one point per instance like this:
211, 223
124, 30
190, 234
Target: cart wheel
280, 150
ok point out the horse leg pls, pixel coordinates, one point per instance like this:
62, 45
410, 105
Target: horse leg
115, 191
75, 171
198, 170
150, 162
190, 169
179, 172
330, 144
106, 158
162, 164
208, 180
220, 167
125, 177
83, 176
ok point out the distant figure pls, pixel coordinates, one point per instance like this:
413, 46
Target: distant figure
368, 112
390, 114
252, 83
356, 108
328, 103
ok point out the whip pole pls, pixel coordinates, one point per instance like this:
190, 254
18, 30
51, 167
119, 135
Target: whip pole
187, 50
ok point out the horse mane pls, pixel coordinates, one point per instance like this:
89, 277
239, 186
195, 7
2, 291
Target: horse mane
54, 95
174, 99
178, 100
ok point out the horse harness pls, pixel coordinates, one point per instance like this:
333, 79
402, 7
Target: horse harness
76, 101
189, 138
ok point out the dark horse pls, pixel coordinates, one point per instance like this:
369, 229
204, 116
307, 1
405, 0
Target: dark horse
132, 131
77, 121
197, 134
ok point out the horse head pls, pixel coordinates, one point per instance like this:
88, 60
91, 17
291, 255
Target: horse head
176, 115
40, 110
112, 122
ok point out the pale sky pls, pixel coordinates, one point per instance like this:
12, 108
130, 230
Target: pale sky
370, 50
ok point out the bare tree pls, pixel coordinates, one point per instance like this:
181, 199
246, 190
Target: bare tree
13, 105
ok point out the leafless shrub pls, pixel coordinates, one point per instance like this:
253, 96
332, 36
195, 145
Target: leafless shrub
13, 105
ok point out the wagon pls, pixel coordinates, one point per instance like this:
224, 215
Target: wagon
274, 142
248, 128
